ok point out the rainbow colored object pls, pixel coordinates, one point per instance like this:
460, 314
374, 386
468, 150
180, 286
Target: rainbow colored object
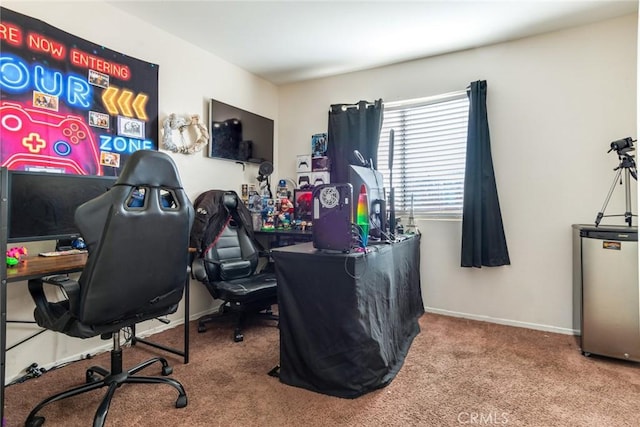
362, 216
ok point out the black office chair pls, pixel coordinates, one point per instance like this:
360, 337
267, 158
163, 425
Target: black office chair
137, 236
228, 264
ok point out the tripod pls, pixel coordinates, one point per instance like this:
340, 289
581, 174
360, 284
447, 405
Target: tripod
628, 165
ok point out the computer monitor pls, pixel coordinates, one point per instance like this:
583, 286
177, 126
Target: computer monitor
42, 205
374, 183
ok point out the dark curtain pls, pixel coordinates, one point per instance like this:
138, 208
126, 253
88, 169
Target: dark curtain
483, 239
353, 127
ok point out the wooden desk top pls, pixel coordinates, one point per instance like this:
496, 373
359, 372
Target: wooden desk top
38, 266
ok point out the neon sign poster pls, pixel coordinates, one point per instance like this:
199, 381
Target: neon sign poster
68, 105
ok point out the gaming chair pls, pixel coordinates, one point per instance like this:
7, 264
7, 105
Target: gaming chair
137, 267
228, 263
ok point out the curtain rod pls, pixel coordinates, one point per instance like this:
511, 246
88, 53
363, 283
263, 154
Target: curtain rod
344, 107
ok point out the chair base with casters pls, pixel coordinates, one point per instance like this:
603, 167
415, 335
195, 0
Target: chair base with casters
250, 297
97, 377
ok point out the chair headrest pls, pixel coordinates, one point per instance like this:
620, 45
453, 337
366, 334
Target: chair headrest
230, 201
149, 167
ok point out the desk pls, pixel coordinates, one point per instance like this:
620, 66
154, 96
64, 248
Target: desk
290, 236
37, 267
347, 320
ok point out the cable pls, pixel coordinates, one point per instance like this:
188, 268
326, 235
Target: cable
33, 371
390, 237
127, 332
353, 276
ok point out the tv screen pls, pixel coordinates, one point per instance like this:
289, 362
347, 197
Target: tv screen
373, 182
239, 135
42, 205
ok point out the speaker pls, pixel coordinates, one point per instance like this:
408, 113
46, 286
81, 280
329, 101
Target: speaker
332, 211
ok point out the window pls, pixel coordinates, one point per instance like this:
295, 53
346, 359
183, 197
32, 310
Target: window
430, 140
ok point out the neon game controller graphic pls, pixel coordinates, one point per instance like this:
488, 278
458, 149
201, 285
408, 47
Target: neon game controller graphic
38, 138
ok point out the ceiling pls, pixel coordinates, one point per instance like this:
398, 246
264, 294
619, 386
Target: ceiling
289, 41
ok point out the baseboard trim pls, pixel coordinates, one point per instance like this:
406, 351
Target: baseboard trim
507, 322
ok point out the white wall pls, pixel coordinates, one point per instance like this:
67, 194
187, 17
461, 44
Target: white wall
188, 77
555, 102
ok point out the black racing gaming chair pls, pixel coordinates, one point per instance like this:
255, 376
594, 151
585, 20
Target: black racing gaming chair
137, 236
228, 265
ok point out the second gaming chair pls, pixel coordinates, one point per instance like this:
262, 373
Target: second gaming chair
136, 270
228, 265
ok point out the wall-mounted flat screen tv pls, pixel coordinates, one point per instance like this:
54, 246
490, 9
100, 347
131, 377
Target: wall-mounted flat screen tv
239, 135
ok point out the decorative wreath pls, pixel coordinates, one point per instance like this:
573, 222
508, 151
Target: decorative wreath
173, 122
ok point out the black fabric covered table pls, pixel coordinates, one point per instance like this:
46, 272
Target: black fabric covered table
347, 320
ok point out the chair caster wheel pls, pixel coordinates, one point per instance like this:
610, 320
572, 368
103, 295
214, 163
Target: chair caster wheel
201, 329
237, 337
35, 422
181, 402
167, 370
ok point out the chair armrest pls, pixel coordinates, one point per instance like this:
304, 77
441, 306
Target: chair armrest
198, 270
70, 287
225, 270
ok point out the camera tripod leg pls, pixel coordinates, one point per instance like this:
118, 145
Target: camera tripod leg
606, 200
628, 216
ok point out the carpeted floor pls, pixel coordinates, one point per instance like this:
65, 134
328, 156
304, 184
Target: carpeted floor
458, 372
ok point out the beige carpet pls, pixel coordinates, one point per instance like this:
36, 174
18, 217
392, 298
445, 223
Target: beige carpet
458, 372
